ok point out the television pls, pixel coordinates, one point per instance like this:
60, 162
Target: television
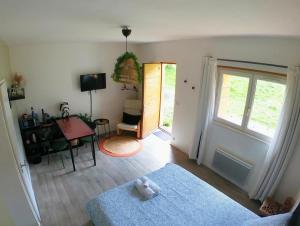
90, 82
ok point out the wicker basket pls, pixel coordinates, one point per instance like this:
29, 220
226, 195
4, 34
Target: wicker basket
129, 74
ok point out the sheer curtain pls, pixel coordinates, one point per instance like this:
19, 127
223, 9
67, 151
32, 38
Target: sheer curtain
205, 107
284, 141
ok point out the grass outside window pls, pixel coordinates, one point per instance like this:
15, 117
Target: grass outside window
251, 102
168, 96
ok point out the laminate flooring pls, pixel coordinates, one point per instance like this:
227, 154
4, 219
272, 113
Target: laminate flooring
62, 194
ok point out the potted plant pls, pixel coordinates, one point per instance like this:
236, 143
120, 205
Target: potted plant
87, 119
127, 69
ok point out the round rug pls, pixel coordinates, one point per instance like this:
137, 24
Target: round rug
120, 146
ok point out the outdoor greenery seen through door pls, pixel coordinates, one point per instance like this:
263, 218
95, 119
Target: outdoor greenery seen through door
167, 96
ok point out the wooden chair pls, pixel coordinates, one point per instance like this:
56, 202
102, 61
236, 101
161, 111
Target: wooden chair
132, 107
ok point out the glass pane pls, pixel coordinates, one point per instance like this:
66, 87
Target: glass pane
167, 97
268, 101
233, 98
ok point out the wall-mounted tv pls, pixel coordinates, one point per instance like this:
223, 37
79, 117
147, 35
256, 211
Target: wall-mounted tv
90, 82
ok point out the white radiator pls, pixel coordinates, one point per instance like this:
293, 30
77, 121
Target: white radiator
231, 167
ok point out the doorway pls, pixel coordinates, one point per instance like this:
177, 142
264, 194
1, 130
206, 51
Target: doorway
159, 81
167, 97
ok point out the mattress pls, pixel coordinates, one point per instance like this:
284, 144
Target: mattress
184, 200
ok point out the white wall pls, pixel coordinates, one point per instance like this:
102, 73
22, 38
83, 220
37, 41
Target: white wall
245, 147
4, 62
5, 217
188, 56
52, 74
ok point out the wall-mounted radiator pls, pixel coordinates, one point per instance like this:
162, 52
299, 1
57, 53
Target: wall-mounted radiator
231, 167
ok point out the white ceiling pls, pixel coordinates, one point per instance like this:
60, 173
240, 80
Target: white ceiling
31, 21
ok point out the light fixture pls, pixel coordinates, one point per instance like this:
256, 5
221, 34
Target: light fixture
127, 68
126, 32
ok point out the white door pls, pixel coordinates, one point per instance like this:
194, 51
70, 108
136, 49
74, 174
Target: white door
16, 141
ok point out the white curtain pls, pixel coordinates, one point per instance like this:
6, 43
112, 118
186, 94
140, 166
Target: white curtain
205, 107
284, 141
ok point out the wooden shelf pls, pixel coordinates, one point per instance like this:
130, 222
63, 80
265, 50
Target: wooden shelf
13, 94
16, 98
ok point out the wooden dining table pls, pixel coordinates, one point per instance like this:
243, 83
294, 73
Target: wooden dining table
74, 128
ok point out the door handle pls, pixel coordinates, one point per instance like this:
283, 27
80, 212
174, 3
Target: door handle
22, 165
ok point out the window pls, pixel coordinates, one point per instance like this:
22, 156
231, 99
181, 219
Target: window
250, 101
233, 98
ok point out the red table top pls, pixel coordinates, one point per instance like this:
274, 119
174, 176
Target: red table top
74, 128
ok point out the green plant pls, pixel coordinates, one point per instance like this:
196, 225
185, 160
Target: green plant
167, 124
118, 68
88, 120
85, 117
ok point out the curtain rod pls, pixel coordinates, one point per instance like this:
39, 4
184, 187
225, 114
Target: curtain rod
250, 62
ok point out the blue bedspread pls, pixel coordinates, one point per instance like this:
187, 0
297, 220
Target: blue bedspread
184, 200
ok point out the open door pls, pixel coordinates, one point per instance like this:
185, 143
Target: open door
151, 97
25, 191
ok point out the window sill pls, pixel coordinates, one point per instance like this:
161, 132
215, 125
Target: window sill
242, 132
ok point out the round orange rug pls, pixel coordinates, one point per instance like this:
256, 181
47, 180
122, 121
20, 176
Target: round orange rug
120, 146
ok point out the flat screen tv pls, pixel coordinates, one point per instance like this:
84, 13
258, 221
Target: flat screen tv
90, 82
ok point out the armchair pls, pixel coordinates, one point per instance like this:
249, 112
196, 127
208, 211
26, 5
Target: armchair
131, 117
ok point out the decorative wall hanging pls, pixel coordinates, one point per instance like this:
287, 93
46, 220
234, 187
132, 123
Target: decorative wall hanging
65, 110
16, 92
127, 68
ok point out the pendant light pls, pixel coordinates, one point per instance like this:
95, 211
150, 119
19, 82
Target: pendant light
126, 32
127, 69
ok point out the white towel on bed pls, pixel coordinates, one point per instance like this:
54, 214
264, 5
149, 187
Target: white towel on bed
152, 184
147, 188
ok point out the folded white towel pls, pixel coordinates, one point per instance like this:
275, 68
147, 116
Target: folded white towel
151, 184
144, 189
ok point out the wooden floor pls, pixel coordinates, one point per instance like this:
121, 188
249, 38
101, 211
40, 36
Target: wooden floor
62, 194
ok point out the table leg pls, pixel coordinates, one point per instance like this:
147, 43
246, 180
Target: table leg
93, 150
72, 157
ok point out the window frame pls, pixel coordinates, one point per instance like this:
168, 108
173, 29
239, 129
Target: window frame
253, 76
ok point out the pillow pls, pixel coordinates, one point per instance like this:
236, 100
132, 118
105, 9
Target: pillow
131, 119
275, 220
295, 219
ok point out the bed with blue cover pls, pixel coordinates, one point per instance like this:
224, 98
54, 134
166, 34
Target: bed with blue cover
184, 200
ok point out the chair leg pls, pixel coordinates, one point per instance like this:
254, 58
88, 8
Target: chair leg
118, 131
138, 133
48, 155
62, 160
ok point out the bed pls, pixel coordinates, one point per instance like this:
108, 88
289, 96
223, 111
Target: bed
184, 200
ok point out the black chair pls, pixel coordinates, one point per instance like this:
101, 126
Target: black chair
54, 142
57, 146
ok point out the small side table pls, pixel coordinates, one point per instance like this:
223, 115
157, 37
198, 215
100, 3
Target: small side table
104, 123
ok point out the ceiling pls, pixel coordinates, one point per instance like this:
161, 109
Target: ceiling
36, 21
